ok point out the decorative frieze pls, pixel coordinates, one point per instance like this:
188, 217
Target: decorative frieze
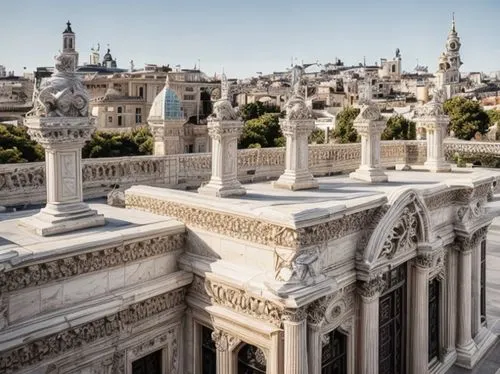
56, 344
43, 273
241, 302
251, 229
448, 197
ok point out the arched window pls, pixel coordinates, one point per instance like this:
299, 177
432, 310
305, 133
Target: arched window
65, 43
251, 360
393, 68
70, 43
334, 353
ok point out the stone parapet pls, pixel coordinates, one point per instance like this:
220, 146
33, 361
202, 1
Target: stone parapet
22, 184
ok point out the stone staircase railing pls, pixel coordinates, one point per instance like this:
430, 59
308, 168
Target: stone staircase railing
23, 184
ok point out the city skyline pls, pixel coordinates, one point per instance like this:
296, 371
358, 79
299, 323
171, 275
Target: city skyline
250, 38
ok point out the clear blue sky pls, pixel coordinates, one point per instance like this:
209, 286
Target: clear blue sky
249, 36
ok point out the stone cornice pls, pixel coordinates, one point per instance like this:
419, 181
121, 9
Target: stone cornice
251, 229
51, 346
84, 263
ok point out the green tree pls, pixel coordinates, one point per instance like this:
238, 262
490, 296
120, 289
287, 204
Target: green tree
136, 142
261, 132
467, 117
17, 145
344, 125
494, 116
11, 156
400, 128
317, 136
257, 109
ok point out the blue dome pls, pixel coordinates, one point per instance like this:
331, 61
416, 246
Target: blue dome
173, 108
166, 106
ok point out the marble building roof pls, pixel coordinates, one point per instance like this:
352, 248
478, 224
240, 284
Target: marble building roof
20, 245
336, 196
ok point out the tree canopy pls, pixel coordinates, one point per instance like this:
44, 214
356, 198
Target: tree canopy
257, 109
467, 117
262, 132
17, 146
344, 125
400, 128
136, 142
494, 116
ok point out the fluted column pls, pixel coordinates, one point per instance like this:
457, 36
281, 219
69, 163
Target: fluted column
476, 291
315, 347
295, 330
419, 360
368, 326
465, 344
451, 301
224, 344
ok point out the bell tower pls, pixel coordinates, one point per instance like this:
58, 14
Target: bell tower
448, 74
69, 44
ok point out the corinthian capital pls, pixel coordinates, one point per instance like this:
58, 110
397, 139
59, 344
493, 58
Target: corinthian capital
223, 341
371, 290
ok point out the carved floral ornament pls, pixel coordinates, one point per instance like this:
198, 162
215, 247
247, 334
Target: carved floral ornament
330, 310
403, 237
53, 345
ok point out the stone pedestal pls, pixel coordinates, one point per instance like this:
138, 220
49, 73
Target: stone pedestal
295, 330
167, 135
63, 139
297, 175
224, 181
370, 126
435, 126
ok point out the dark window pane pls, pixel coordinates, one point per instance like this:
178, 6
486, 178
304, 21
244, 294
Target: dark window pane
150, 364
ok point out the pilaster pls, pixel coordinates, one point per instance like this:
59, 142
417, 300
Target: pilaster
368, 345
295, 347
419, 360
466, 348
225, 344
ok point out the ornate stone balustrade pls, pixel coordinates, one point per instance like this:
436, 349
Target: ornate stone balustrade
25, 183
